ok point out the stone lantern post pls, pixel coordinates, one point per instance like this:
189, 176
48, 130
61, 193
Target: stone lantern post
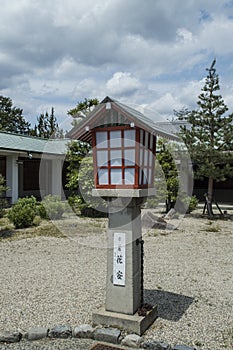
124, 148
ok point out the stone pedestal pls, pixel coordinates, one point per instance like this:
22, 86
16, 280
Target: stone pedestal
124, 284
124, 222
130, 323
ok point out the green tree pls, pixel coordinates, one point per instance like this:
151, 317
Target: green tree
209, 134
42, 126
170, 173
82, 109
2, 185
3, 189
77, 150
53, 125
46, 126
11, 118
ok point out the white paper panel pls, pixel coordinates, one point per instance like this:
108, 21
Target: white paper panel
119, 259
115, 139
145, 157
150, 176
116, 157
129, 156
102, 158
101, 139
151, 156
141, 157
145, 177
129, 176
129, 138
116, 176
141, 136
103, 176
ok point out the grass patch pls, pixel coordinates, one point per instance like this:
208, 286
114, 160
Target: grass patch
47, 229
4, 222
62, 228
212, 228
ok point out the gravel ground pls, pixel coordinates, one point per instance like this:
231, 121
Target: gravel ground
188, 273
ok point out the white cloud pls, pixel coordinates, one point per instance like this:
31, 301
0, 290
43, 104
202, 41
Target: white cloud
155, 54
122, 83
185, 35
217, 35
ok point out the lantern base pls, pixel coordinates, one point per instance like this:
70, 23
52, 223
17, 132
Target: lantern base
123, 192
131, 323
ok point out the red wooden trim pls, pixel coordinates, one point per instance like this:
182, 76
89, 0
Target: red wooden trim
137, 156
116, 167
94, 159
108, 141
143, 158
154, 145
124, 186
122, 148
154, 155
114, 148
113, 128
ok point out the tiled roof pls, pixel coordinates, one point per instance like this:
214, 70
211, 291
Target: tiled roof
18, 142
173, 126
82, 130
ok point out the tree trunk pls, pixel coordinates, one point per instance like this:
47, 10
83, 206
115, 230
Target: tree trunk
210, 196
210, 189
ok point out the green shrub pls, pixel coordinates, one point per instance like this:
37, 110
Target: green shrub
37, 220
41, 211
193, 204
152, 202
3, 205
89, 206
23, 212
52, 208
3, 202
183, 204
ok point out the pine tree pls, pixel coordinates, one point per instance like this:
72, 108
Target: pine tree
170, 173
82, 109
53, 125
77, 150
42, 127
209, 136
11, 118
47, 126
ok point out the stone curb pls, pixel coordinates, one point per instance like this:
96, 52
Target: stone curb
107, 334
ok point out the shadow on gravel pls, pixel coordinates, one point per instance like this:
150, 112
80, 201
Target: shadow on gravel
171, 306
6, 234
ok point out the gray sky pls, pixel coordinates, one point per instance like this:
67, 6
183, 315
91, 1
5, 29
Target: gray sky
146, 52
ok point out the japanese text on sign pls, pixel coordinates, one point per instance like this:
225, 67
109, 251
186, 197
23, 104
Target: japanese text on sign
119, 259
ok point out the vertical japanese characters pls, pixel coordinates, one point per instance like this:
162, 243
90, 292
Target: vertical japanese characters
119, 259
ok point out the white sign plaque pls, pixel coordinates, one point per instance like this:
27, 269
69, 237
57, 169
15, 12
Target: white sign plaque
119, 259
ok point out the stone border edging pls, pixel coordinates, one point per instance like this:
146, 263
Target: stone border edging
108, 335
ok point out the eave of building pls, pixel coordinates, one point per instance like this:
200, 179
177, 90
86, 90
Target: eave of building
10, 142
83, 130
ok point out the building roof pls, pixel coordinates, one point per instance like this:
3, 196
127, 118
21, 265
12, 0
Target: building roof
174, 125
103, 114
19, 142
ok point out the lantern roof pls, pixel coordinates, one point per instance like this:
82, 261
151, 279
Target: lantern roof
111, 112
